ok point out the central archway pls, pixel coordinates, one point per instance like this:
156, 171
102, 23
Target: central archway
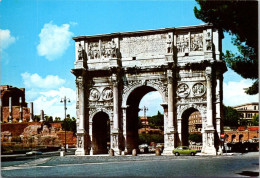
190, 120
101, 133
132, 111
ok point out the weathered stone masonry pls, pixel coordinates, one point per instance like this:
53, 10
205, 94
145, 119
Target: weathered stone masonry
114, 71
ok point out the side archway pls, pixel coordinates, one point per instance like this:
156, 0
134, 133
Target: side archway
187, 124
100, 133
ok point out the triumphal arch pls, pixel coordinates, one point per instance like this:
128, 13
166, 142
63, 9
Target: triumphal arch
114, 71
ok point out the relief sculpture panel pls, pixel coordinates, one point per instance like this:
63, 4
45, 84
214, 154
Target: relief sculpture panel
183, 90
198, 89
182, 43
93, 50
108, 49
107, 94
94, 94
196, 42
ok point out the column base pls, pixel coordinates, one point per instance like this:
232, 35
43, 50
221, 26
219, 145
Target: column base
169, 143
80, 152
208, 147
168, 151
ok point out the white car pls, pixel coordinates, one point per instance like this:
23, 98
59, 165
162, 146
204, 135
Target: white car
34, 153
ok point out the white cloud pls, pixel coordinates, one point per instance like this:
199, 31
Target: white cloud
36, 81
49, 101
5, 39
46, 93
54, 40
234, 93
73, 23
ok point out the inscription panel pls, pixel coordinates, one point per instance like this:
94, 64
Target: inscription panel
148, 45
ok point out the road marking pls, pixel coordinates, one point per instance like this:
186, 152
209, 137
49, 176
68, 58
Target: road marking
27, 165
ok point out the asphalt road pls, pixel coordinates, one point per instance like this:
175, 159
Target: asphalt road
153, 166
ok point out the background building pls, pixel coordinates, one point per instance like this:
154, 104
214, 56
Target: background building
13, 105
195, 122
248, 111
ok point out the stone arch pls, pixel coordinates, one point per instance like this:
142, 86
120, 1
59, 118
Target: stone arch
181, 109
183, 120
132, 101
97, 110
162, 92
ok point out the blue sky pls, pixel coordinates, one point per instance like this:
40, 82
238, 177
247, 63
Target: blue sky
37, 50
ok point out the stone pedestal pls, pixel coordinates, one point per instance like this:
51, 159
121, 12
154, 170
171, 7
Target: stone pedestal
62, 153
81, 142
115, 142
208, 142
169, 143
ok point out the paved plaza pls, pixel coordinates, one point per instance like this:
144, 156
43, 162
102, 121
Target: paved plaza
142, 165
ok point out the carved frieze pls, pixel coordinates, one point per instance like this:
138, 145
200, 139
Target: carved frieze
182, 43
201, 99
198, 89
196, 42
107, 93
183, 90
94, 94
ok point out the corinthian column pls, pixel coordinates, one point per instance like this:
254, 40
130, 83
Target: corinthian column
115, 131
115, 102
208, 147
81, 138
81, 105
208, 73
170, 101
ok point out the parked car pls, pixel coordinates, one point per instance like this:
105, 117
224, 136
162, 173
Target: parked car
33, 153
184, 150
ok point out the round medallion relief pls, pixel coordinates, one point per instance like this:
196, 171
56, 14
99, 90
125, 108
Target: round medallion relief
94, 94
183, 90
198, 89
107, 94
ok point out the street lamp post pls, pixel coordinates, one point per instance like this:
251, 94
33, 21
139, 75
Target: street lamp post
64, 100
145, 109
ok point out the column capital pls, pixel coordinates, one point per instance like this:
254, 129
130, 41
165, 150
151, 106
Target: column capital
208, 73
164, 105
169, 76
114, 79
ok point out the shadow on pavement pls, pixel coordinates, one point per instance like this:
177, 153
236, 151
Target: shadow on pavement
249, 173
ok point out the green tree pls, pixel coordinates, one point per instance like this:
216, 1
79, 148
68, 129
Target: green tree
231, 117
36, 118
57, 119
156, 121
195, 137
48, 119
255, 120
69, 124
239, 18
